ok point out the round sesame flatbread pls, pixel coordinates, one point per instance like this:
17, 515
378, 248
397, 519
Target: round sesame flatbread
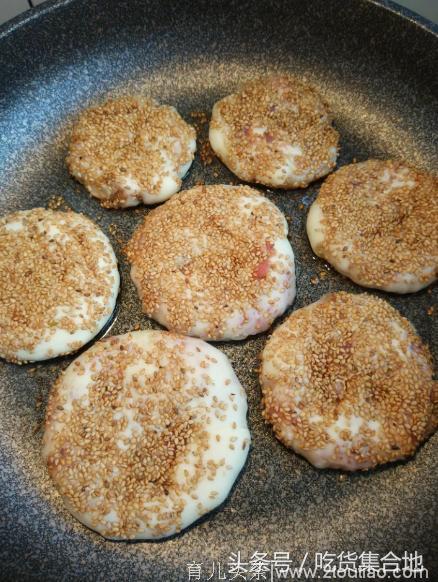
275, 131
214, 262
131, 150
58, 283
347, 383
376, 222
145, 433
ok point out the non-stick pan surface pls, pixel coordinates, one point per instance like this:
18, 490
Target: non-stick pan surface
377, 68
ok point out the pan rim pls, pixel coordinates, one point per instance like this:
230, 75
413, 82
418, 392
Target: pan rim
37, 12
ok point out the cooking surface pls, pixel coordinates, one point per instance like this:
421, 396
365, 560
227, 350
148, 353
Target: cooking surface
378, 72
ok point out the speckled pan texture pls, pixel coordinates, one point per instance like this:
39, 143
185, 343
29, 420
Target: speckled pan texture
376, 65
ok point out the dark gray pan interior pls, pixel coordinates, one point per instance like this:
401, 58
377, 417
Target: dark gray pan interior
377, 68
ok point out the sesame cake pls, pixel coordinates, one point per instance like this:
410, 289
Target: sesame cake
376, 222
131, 150
145, 433
275, 131
214, 262
58, 283
347, 383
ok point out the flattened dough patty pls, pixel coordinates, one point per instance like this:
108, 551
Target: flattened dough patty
145, 433
214, 262
347, 383
58, 283
275, 131
131, 150
377, 223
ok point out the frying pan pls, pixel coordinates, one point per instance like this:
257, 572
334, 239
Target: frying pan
376, 65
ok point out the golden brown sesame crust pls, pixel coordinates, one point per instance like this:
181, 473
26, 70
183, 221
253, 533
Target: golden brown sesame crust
209, 285
118, 138
40, 272
293, 113
82, 451
349, 356
393, 233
